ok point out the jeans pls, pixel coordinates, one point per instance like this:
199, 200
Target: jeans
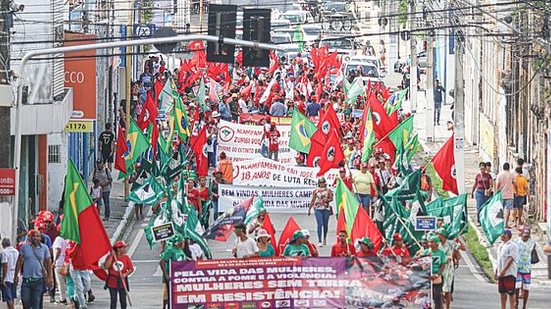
365, 200
480, 198
61, 283
32, 294
121, 292
322, 219
272, 155
212, 159
105, 197
437, 295
264, 150
81, 279
437, 108
215, 209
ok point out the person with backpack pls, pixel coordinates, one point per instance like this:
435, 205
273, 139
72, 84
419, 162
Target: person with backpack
105, 180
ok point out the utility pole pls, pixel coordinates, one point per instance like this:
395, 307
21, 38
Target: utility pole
413, 57
459, 114
5, 139
429, 93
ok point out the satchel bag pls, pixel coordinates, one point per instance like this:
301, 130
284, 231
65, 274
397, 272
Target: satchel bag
534, 258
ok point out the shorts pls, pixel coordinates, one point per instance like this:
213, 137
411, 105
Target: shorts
506, 284
508, 204
9, 292
524, 281
107, 157
519, 201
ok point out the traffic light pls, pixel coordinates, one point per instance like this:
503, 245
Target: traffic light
222, 25
256, 27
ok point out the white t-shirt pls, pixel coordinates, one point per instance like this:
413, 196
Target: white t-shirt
9, 256
196, 252
246, 247
506, 250
60, 243
243, 106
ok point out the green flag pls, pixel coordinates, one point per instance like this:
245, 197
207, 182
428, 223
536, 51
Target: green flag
346, 86
166, 97
407, 191
163, 217
149, 193
137, 144
181, 120
298, 37
395, 101
457, 210
400, 135
201, 96
356, 89
302, 130
369, 137
491, 218
256, 208
348, 201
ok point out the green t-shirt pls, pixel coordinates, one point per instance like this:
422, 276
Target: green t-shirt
438, 258
268, 252
296, 250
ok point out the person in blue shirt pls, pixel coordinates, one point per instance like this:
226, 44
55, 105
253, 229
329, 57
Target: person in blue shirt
438, 89
312, 109
224, 111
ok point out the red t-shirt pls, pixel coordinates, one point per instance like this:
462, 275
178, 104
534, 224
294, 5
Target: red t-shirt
347, 180
366, 254
313, 249
338, 250
403, 252
114, 274
192, 197
273, 140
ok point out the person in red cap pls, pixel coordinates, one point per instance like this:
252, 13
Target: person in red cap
398, 250
300, 159
273, 142
119, 267
347, 180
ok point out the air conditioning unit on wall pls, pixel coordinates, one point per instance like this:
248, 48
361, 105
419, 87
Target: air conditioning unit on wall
6, 95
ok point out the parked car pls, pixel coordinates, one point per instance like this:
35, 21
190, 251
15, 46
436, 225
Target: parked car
297, 17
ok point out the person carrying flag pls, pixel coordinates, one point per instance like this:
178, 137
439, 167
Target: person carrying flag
366, 248
398, 250
343, 248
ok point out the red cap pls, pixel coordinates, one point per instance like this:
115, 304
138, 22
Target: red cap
272, 123
120, 244
397, 236
268, 118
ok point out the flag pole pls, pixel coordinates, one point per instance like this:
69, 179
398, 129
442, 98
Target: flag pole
123, 283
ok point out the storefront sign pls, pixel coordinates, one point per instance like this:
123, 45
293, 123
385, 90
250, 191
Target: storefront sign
296, 282
79, 126
265, 172
243, 142
276, 199
7, 181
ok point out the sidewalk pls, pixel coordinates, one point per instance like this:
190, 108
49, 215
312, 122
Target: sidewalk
472, 158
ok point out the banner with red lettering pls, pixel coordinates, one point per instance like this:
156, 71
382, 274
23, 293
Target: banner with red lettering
296, 282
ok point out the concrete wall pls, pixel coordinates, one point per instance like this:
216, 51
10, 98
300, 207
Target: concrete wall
56, 171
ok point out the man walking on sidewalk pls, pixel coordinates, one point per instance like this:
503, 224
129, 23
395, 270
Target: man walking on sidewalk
105, 181
504, 182
438, 89
9, 260
506, 271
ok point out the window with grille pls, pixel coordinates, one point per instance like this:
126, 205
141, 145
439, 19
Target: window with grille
53, 154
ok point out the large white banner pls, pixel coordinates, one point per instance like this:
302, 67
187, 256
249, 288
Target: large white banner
276, 199
265, 172
242, 142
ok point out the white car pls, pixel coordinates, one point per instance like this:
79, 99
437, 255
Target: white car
311, 33
297, 17
368, 71
343, 46
372, 59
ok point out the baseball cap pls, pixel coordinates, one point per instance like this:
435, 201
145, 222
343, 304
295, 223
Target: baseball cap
298, 234
262, 233
120, 244
397, 236
305, 232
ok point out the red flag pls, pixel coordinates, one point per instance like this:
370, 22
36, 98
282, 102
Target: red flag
382, 123
149, 112
341, 223
274, 62
329, 121
287, 234
199, 147
388, 148
158, 89
365, 227
269, 227
122, 148
332, 154
316, 149
444, 165
246, 91
154, 138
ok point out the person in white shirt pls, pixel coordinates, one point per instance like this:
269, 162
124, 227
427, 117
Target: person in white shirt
196, 251
59, 247
9, 260
245, 247
506, 271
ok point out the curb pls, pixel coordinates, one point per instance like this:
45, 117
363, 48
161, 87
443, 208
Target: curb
126, 221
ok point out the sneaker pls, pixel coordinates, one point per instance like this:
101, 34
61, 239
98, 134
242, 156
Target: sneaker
62, 301
320, 244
